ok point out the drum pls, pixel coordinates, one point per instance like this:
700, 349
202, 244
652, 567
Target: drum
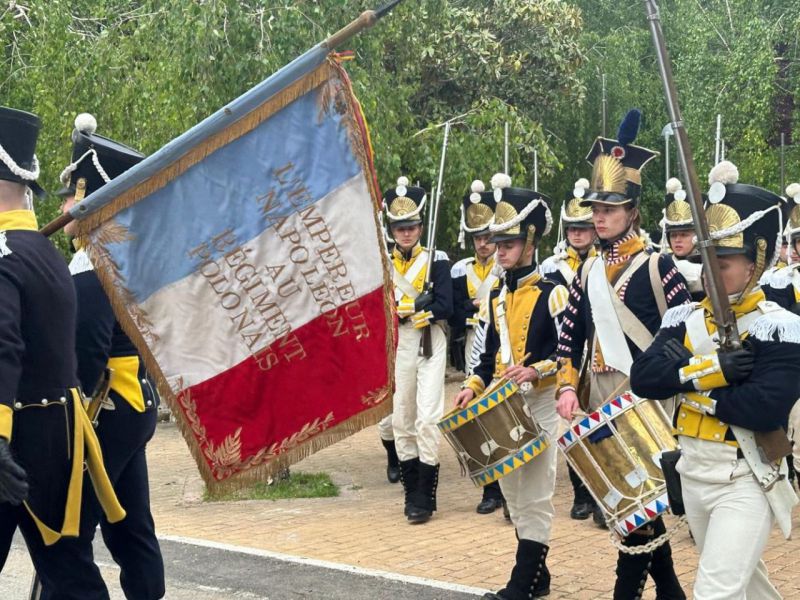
616, 451
494, 434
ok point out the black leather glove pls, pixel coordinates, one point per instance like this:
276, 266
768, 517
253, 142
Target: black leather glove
737, 365
676, 351
795, 308
423, 301
13, 480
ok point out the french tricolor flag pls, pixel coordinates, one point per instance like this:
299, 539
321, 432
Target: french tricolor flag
245, 260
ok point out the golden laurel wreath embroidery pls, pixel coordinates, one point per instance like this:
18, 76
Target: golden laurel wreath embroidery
226, 458
108, 270
374, 397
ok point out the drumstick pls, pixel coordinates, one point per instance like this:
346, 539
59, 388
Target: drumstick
504, 380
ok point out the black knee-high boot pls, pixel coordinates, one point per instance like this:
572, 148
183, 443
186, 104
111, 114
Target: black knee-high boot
633, 569
409, 475
530, 577
423, 502
392, 462
583, 503
492, 499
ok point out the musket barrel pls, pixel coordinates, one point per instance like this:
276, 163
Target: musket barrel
723, 316
435, 207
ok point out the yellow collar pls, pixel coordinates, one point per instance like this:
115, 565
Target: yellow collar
18, 219
572, 253
482, 270
399, 254
746, 305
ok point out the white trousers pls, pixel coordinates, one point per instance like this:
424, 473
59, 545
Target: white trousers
385, 429
730, 519
794, 433
419, 394
529, 489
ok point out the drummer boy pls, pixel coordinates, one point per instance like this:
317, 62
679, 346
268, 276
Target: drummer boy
520, 346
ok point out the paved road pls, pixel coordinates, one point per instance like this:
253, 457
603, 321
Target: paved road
215, 572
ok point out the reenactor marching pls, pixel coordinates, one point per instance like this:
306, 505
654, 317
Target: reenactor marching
616, 303
781, 284
678, 236
577, 240
48, 447
125, 420
734, 402
474, 278
520, 347
421, 350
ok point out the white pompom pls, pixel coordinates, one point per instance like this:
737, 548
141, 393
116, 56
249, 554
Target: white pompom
86, 123
725, 172
475, 197
716, 193
680, 195
582, 183
793, 191
477, 186
402, 180
500, 181
673, 185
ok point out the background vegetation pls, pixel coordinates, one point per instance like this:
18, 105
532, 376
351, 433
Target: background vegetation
149, 70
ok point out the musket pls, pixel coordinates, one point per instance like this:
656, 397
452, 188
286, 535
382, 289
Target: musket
225, 115
666, 132
604, 106
718, 140
430, 241
425, 345
505, 150
783, 162
723, 315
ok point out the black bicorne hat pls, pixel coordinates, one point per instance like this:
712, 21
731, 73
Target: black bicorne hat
574, 213
19, 131
477, 210
617, 164
520, 213
404, 203
95, 159
791, 212
677, 211
743, 219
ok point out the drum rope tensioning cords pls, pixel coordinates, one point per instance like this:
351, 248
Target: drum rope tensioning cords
652, 544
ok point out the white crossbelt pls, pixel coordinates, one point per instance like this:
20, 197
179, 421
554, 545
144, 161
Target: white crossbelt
502, 324
605, 312
482, 287
780, 495
403, 285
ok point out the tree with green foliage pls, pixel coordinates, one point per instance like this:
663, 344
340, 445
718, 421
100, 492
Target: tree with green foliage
150, 70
